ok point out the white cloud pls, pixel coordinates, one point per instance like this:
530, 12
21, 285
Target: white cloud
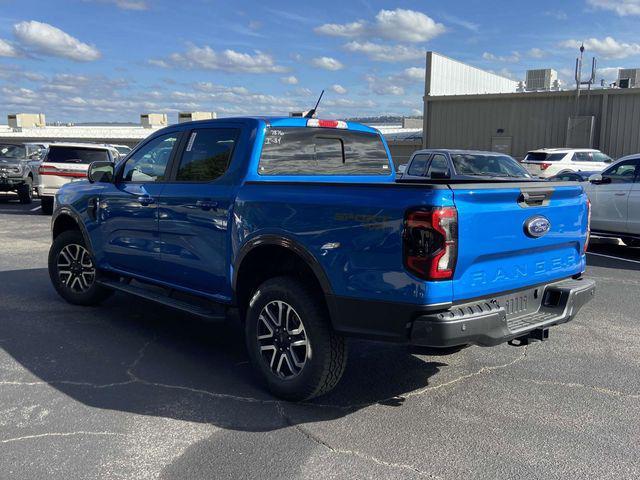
126, 4
621, 7
385, 53
384, 86
607, 47
48, 40
536, 53
353, 29
8, 50
206, 58
339, 89
407, 25
513, 58
290, 80
415, 74
399, 24
557, 14
327, 63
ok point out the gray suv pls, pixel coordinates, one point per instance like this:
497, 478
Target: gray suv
18, 172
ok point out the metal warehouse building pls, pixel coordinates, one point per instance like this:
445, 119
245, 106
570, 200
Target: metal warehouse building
514, 123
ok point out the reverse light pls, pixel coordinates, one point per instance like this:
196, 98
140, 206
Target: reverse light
586, 242
314, 122
430, 243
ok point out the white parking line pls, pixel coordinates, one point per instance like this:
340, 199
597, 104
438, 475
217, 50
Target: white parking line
37, 208
615, 258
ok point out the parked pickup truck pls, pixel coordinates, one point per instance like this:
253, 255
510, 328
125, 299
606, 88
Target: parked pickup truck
300, 225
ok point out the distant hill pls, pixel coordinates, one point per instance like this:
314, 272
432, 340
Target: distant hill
381, 120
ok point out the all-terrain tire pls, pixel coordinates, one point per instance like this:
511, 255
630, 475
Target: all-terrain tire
327, 354
79, 287
25, 192
46, 205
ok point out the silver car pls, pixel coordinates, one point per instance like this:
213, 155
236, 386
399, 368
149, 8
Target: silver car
615, 200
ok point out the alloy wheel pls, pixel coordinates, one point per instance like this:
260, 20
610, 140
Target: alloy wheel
282, 339
75, 268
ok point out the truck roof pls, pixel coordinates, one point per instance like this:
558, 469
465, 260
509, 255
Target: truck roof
276, 122
453, 151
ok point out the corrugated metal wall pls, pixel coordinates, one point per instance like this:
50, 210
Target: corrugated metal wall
445, 76
533, 120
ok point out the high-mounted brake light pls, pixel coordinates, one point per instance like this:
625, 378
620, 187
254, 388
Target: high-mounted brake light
586, 242
544, 166
314, 122
430, 243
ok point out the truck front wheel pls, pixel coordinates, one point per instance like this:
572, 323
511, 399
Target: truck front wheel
73, 272
25, 192
290, 341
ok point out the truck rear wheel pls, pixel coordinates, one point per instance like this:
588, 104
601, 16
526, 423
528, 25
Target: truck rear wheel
25, 192
290, 341
46, 205
73, 272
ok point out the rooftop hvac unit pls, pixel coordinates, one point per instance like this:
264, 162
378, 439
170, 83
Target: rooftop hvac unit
629, 77
26, 120
541, 79
152, 120
193, 116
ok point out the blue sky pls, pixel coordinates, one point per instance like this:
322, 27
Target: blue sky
90, 60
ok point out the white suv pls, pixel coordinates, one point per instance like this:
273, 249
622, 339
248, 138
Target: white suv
548, 162
66, 162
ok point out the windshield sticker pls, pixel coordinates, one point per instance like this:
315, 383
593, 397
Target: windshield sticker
274, 137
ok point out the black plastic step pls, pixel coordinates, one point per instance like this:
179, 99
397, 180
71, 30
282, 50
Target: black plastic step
164, 299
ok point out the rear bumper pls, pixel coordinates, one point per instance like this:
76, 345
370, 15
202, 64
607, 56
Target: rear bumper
480, 322
486, 323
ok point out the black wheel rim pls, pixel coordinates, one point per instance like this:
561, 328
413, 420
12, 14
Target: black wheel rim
75, 268
282, 340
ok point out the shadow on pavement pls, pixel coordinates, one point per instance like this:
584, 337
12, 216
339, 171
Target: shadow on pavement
132, 356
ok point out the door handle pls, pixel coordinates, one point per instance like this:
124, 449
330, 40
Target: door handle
620, 194
206, 204
146, 200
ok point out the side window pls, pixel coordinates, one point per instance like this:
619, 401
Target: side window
207, 154
149, 164
624, 172
419, 165
439, 162
583, 157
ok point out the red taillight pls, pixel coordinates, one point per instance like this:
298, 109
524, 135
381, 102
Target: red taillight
586, 242
45, 169
544, 166
314, 122
430, 243
51, 170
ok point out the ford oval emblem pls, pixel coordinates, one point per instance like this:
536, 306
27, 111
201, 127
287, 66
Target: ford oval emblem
537, 226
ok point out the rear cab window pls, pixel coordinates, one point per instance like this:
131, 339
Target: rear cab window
322, 151
76, 155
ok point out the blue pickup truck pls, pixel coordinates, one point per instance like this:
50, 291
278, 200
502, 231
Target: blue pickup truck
300, 226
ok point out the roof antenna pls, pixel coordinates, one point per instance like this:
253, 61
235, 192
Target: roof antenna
312, 112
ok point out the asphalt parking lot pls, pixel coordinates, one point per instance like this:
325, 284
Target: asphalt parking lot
132, 390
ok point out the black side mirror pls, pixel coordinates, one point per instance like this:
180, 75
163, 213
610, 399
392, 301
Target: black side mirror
440, 174
101, 172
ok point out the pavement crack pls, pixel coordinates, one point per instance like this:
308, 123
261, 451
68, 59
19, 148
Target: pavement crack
59, 434
354, 453
427, 389
595, 388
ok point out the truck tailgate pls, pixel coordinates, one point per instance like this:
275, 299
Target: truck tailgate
498, 252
